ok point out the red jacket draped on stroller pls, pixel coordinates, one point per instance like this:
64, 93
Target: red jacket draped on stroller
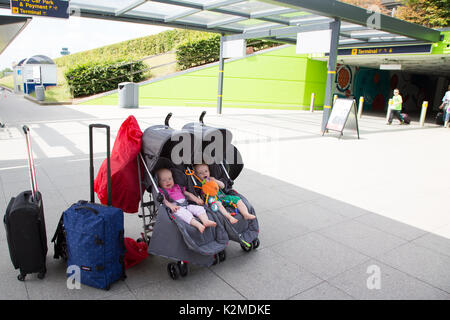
125, 192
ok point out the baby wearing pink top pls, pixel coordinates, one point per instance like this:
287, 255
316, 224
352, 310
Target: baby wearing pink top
186, 213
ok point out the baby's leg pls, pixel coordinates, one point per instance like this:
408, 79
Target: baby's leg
187, 217
226, 213
200, 212
244, 211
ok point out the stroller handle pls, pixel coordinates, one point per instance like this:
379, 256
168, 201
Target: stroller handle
160, 197
200, 119
166, 121
226, 173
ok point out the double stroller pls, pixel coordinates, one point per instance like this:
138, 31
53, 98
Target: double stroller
165, 233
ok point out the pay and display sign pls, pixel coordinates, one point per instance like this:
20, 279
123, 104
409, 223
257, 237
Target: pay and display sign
41, 8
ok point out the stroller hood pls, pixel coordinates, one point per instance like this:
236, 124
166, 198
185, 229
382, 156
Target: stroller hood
216, 147
160, 142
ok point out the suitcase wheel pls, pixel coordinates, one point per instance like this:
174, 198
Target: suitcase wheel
21, 277
41, 275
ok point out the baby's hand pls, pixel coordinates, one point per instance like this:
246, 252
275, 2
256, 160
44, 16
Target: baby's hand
199, 201
174, 208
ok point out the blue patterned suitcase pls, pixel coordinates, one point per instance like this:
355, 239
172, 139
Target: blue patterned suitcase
95, 233
95, 243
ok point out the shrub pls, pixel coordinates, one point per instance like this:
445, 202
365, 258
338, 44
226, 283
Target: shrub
132, 49
198, 52
202, 51
91, 78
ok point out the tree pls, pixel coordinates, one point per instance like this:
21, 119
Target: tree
6, 70
429, 13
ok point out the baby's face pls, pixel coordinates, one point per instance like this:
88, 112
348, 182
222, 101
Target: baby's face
202, 171
165, 179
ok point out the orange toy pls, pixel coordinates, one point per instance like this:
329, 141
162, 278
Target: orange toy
209, 188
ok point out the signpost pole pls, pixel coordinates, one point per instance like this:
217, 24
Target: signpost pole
423, 113
360, 106
332, 59
356, 115
311, 107
388, 113
221, 67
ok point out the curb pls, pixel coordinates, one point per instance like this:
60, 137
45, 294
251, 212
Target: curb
46, 103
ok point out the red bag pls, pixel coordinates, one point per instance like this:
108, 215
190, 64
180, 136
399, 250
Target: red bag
136, 252
124, 171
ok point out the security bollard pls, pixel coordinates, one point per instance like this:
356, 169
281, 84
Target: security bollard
360, 107
423, 113
311, 107
388, 113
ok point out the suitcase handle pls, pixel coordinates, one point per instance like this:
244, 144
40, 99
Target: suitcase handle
87, 208
108, 160
34, 189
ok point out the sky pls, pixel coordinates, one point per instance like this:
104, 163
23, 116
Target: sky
47, 36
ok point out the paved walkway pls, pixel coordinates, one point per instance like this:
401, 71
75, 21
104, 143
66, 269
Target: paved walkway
336, 215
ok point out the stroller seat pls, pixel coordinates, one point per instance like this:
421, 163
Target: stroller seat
245, 232
171, 237
227, 165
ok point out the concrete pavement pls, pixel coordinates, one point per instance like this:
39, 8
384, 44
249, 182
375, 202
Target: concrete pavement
340, 218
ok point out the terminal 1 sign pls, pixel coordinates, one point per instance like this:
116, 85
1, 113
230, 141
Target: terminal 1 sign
42, 8
399, 49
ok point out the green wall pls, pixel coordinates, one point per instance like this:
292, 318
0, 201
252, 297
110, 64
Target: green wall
275, 79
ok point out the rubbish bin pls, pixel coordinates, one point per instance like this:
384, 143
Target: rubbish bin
128, 95
40, 93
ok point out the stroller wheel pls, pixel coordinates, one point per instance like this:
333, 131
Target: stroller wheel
184, 268
173, 270
222, 256
255, 243
246, 248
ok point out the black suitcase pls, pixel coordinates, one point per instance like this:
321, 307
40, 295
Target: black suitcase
406, 118
440, 118
25, 227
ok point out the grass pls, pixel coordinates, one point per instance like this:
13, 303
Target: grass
159, 62
7, 81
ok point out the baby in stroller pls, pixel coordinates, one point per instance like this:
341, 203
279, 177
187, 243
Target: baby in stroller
202, 171
176, 199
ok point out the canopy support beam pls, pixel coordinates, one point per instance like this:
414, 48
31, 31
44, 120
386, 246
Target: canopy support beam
332, 60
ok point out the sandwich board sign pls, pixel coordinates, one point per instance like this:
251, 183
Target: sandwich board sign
343, 115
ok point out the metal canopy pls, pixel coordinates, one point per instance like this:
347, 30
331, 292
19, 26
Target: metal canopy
10, 27
278, 20
275, 19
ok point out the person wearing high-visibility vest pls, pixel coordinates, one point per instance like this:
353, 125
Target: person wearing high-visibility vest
445, 106
396, 107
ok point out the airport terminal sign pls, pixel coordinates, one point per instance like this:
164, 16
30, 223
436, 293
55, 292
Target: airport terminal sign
42, 8
425, 48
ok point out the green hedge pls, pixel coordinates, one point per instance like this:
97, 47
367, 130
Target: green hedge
91, 78
202, 51
198, 52
134, 49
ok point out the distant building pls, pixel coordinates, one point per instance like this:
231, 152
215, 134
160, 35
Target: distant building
36, 70
65, 51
